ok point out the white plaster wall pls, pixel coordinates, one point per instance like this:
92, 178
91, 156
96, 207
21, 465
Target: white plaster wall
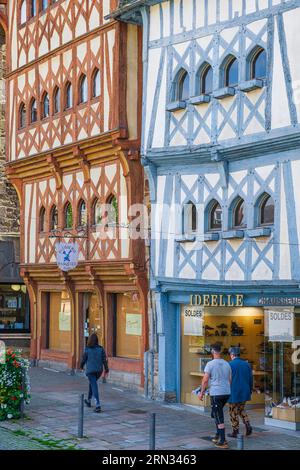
32, 233
285, 259
280, 108
292, 31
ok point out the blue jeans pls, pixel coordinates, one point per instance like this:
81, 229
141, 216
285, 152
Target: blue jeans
93, 386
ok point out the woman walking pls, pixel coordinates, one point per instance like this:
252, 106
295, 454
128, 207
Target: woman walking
94, 359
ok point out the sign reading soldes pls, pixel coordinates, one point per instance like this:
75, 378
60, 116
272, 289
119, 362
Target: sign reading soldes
193, 320
280, 325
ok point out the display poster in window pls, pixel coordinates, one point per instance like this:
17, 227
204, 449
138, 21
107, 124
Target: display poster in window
12, 302
193, 320
133, 324
280, 325
67, 255
65, 316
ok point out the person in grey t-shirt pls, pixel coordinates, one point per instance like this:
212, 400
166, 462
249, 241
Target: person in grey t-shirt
217, 377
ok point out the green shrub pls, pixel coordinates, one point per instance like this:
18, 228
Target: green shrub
11, 392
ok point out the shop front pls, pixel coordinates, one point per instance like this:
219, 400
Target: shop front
14, 302
67, 312
266, 328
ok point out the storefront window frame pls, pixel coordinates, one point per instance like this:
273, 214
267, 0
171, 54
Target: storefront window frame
14, 331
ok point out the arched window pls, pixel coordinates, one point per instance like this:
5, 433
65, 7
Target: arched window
181, 86
238, 213
56, 100
206, 79
231, 71
23, 12
68, 213
44, 4
257, 63
97, 212
22, 116
190, 221
68, 96
82, 213
42, 219
266, 210
83, 89
215, 216
112, 210
53, 218
33, 7
96, 83
33, 111
45, 106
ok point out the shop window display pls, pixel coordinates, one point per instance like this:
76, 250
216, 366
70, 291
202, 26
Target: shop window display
14, 312
283, 382
243, 327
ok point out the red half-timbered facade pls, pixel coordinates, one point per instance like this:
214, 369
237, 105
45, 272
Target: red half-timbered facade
73, 139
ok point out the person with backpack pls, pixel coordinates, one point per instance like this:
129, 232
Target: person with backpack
94, 360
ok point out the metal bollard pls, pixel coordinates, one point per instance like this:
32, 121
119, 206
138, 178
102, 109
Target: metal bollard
22, 403
80, 416
152, 432
240, 442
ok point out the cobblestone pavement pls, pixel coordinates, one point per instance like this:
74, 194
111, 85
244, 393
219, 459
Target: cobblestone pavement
52, 420
12, 441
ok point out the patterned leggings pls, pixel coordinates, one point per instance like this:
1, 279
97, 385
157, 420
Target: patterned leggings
237, 410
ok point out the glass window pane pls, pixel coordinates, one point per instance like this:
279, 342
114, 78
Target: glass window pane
260, 65
232, 73
46, 106
97, 213
83, 90
68, 216
33, 111
42, 220
23, 12
33, 7
239, 214
82, 214
184, 87
96, 84
54, 219
216, 217
14, 312
267, 211
44, 4
69, 97
57, 101
207, 81
22, 116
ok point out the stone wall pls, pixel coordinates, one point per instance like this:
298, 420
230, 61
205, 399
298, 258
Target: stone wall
9, 206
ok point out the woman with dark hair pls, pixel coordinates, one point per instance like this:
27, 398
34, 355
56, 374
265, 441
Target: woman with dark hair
94, 359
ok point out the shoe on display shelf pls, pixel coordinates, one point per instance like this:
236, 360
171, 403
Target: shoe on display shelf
222, 326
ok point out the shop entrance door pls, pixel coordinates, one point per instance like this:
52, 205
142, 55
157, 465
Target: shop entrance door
93, 317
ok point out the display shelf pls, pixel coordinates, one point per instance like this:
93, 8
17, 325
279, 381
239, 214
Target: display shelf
197, 374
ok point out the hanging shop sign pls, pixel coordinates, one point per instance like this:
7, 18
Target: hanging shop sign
193, 320
217, 300
280, 325
67, 255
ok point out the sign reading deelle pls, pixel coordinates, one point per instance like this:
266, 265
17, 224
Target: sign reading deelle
217, 300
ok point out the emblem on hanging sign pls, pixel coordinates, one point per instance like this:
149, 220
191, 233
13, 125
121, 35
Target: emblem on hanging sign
67, 255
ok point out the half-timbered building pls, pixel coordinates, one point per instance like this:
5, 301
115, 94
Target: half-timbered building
73, 100
221, 143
